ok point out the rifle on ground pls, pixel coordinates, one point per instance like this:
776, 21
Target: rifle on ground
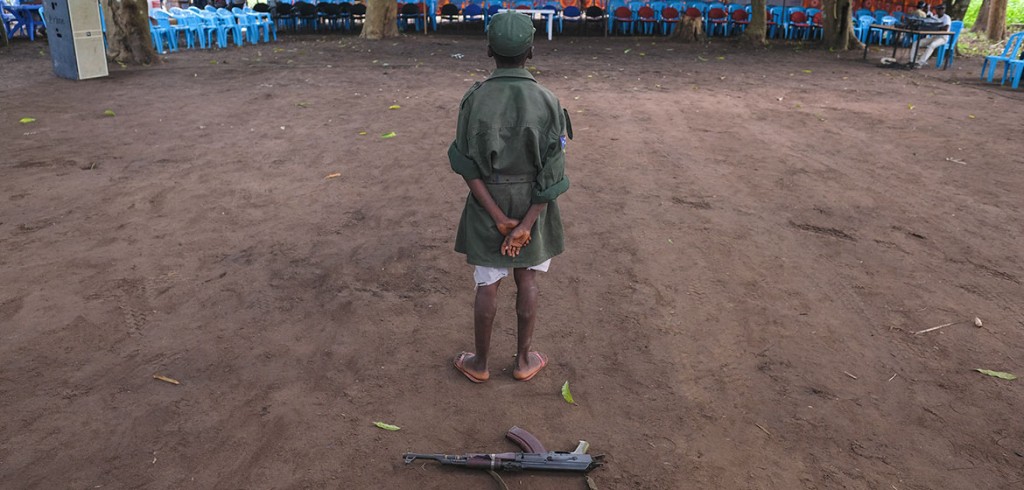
533, 457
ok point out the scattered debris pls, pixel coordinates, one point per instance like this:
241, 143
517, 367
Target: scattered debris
390, 134
892, 377
944, 325
165, 379
997, 374
566, 394
384, 426
956, 160
763, 429
109, 113
332, 176
977, 322
850, 375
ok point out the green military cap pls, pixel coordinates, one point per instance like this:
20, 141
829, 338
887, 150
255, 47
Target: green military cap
510, 34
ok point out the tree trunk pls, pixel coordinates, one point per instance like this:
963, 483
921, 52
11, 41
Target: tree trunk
689, 30
838, 26
381, 19
958, 8
997, 20
128, 38
981, 23
758, 27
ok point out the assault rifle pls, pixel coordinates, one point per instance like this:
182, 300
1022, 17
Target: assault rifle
533, 457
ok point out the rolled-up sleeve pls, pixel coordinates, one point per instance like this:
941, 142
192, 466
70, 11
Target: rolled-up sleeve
462, 164
551, 180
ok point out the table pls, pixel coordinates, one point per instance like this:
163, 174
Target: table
24, 20
550, 14
899, 31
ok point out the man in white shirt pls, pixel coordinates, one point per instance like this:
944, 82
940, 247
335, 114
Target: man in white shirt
931, 43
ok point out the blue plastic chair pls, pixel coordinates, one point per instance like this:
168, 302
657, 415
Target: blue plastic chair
940, 54
227, 21
572, 15
164, 30
1010, 52
865, 29
610, 8
1016, 71
879, 14
780, 24
622, 17
861, 12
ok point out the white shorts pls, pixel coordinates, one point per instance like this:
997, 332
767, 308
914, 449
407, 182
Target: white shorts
485, 276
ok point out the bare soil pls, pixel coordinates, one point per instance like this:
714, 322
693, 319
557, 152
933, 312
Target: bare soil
753, 238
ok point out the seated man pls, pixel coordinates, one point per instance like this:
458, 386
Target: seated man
930, 43
921, 10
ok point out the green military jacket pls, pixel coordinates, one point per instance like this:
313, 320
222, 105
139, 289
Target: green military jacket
511, 134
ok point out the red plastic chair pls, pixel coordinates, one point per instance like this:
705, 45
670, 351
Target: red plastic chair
623, 16
669, 19
798, 24
817, 26
647, 19
718, 21
740, 20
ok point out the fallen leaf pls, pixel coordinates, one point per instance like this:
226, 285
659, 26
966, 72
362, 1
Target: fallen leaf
701, 58
362, 133
109, 113
970, 116
807, 71
384, 426
332, 176
396, 106
388, 135
626, 51
303, 104
910, 106
27, 120
997, 374
566, 394
720, 58
165, 379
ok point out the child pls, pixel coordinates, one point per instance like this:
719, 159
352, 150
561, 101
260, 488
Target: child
510, 149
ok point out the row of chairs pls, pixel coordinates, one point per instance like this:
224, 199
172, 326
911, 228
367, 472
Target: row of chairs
203, 27
1013, 65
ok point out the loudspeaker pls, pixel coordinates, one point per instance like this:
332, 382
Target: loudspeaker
75, 34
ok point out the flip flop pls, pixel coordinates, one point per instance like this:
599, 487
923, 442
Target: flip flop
460, 361
528, 376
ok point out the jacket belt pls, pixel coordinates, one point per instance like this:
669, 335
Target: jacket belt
510, 179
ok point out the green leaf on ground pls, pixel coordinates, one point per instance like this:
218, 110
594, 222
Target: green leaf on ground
384, 426
109, 113
396, 106
362, 133
27, 120
997, 374
910, 106
388, 135
566, 394
302, 104
807, 71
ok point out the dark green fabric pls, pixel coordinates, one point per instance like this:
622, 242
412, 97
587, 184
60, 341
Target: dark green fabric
510, 125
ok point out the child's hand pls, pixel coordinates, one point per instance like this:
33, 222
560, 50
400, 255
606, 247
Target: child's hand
504, 227
515, 241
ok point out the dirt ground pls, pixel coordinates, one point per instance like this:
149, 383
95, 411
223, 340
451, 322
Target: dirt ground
753, 237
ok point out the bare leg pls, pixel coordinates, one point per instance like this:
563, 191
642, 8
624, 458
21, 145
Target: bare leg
527, 362
484, 309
